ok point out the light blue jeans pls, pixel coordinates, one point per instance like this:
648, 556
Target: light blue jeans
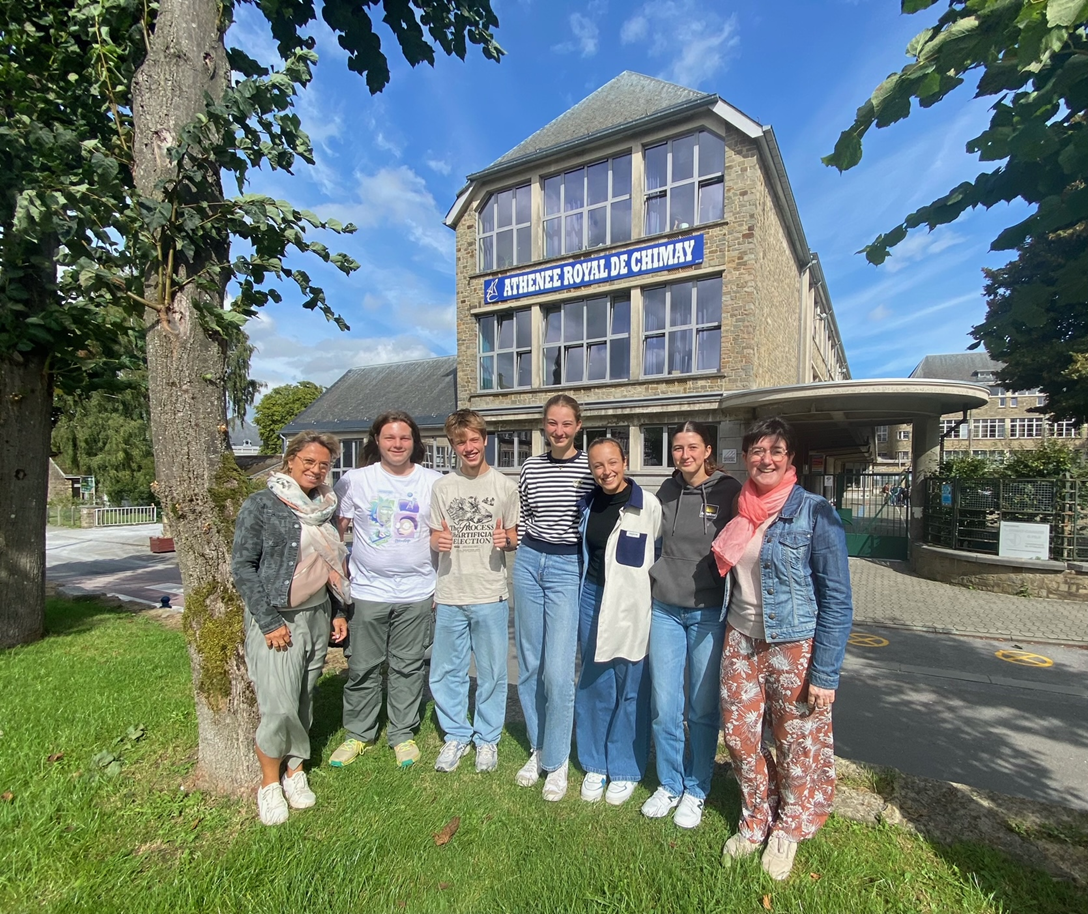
546, 633
474, 628
685, 654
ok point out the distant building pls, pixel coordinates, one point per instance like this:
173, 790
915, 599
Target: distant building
245, 438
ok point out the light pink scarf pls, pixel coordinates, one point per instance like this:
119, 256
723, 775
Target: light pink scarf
753, 509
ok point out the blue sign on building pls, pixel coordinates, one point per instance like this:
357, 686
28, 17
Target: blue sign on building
573, 274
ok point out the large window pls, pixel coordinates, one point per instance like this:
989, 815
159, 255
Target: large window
505, 342
1026, 428
682, 327
351, 456
987, 428
903, 434
587, 340
881, 434
953, 428
1065, 429
684, 182
657, 444
588, 435
588, 207
439, 457
505, 236
508, 450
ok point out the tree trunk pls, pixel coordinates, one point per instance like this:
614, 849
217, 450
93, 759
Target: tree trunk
198, 483
26, 404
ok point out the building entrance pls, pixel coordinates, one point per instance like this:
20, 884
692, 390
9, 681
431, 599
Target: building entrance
875, 509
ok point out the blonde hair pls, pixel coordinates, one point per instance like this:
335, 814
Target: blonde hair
465, 420
329, 442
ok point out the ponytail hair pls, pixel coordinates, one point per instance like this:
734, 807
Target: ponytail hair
709, 439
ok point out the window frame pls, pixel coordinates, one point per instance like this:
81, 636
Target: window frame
518, 241
348, 446
666, 443
1065, 428
520, 442
997, 426
953, 429
610, 204
1023, 427
668, 191
668, 329
520, 350
563, 346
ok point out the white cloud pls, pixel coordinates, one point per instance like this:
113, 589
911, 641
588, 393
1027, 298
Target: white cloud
920, 245
695, 42
439, 165
880, 313
585, 37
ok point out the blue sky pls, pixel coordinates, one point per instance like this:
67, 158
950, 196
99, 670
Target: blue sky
393, 164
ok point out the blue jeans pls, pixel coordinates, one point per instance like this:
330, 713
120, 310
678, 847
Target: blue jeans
685, 654
546, 634
480, 629
612, 707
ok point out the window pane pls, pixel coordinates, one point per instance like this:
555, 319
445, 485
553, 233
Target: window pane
524, 441
521, 205
683, 158
524, 329
574, 364
574, 189
653, 309
598, 227
680, 304
551, 237
506, 331
487, 216
505, 213
653, 446
683, 206
656, 214
552, 372
621, 176
487, 253
573, 322
487, 333
710, 350
596, 318
619, 359
504, 249
710, 202
572, 233
553, 325
506, 449
598, 362
487, 372
504, 370
525, 370
524, 252
711, 154
657, 161
552, 189
708, 308
597, 183
653, 356
621, 316
679, 351
621, 221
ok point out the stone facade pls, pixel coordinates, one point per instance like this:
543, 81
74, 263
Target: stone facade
996, 575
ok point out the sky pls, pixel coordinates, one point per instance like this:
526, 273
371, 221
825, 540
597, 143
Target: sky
392, 164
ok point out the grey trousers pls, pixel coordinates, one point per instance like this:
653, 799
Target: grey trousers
284, 681
399, 633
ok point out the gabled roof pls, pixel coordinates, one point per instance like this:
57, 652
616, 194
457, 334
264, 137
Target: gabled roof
974, 367
426, 389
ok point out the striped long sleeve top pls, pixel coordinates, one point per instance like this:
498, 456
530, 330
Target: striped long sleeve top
550, 490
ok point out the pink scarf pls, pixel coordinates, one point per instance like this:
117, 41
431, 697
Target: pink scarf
752, 510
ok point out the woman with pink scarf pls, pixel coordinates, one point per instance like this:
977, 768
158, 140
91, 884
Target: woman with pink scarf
789, 616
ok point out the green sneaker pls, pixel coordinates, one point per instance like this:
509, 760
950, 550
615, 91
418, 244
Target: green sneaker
348, 751
407, 753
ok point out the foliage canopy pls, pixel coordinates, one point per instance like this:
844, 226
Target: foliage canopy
278, 407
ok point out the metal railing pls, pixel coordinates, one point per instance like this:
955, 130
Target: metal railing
966, 514
116, 517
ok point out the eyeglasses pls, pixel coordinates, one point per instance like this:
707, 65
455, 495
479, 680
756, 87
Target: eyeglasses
309, 464
777, 453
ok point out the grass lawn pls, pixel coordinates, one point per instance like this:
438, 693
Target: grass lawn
76, 836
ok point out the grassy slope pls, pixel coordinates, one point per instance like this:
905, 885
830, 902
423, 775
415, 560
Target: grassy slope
76, 839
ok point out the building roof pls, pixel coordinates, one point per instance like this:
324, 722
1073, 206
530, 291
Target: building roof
974, 367
241, 432
426, 389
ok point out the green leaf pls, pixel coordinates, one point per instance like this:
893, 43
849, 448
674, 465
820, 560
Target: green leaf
1065, 12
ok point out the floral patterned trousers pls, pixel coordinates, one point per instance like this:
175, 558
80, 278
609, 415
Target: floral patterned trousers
765, 685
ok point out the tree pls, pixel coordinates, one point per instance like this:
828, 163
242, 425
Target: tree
278, 407
242, 390
1032, 57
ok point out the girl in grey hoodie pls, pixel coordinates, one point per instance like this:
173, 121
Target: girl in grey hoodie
687, 625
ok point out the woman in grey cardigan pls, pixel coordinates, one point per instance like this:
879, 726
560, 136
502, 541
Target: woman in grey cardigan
288, 565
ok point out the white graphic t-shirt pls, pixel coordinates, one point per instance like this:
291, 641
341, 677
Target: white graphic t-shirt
391, 553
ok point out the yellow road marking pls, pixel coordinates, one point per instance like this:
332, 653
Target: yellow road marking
1024, 658
861, 639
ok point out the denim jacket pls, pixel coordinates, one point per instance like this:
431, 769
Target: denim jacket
267, 536
805, 583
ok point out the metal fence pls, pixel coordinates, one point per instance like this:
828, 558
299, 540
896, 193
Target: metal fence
116, 517
967, 513
64, 515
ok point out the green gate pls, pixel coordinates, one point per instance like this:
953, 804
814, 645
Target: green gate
875, 510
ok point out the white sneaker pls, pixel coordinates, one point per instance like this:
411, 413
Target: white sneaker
487, 757
297, 790
737, 847
593, 787
778, 857
619, 792
450, 756
555, 784
689, 812
529, 773
660, 804
272, 805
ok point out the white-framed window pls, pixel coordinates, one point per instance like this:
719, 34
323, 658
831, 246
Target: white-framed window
439, 457
504, 229
682, 327
505, 350
587, 340
684, 182
881, 434
1026, 427
508, 450
351, 456
1040, 400
588, 207
657, 443
903, 434
1064, 429
987, 428
588, 435
992, 456
902, 457
953, 428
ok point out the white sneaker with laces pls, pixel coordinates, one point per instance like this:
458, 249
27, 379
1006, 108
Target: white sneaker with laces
450, 756
689, 813
529, 773
660, 804
487, 757
272, 805
593, 787
297, 790
619, 792
555, 784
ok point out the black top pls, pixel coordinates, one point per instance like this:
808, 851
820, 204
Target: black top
604, 511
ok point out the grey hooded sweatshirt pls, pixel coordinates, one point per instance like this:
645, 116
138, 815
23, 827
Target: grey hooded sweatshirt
691, 516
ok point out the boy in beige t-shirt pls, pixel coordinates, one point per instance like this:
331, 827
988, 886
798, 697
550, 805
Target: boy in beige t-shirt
474, 517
